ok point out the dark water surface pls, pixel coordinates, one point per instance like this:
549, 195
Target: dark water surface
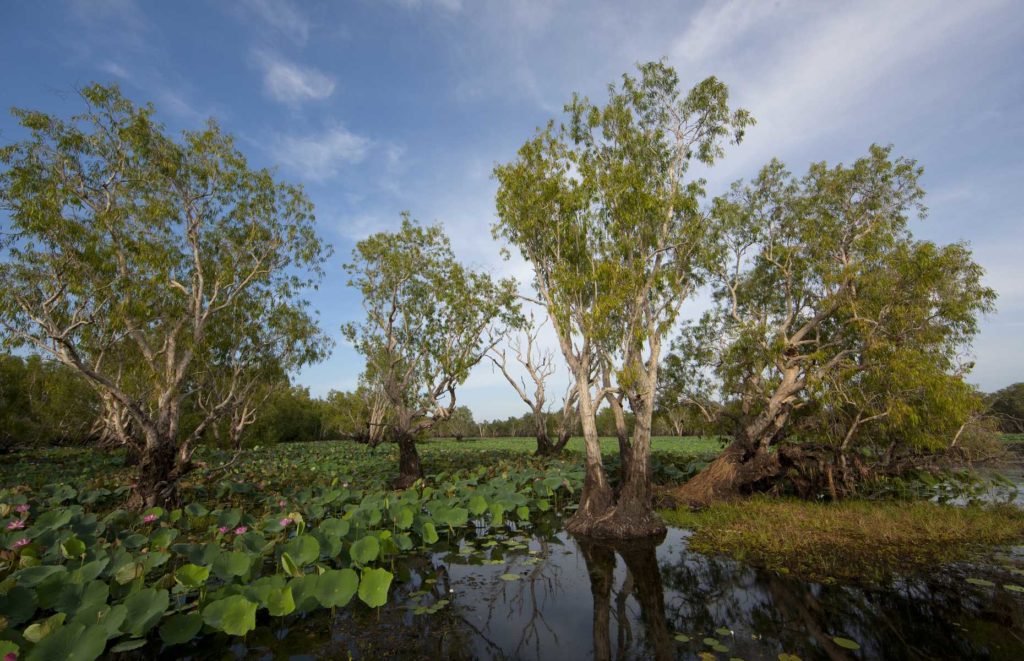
579, 600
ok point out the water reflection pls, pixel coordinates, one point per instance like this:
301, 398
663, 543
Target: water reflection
541, 594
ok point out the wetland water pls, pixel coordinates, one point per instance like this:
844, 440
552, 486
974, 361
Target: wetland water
549, 596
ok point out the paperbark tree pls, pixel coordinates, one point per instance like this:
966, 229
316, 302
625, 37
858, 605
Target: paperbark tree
429, 320
128, 253
826, 306
603, 210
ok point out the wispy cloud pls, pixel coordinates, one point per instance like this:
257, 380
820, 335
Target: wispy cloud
319, 156
282, 16
449, 5
291, 83
821, 70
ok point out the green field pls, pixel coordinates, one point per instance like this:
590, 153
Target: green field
678, 445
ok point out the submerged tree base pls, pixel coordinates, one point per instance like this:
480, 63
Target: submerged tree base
848, 540
618, 523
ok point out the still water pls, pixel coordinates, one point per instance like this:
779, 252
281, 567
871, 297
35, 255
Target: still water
549, 596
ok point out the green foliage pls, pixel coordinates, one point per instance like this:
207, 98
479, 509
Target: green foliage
1007, 405
295, 544
160, 270
427, 322
830, 321
44, 403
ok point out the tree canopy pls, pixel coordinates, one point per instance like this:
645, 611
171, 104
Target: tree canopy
429, 320
149, 264
602, 208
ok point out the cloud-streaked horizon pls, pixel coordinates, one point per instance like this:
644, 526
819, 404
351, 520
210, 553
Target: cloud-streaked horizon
381, 107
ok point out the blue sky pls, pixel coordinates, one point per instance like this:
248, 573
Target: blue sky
383, 106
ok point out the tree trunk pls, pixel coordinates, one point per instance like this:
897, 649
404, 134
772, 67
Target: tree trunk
622, 434
409, 468
747, 461
631, 515
157, 481
596, 497
545, 448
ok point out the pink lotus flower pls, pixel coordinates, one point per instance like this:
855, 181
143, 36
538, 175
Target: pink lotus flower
17, 524
240, 530
24, 541
10, 656
150, 518
223, 530
282, 503
285, 522
24, 507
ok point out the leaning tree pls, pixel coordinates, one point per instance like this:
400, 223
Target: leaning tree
429, 320
148, 264
603, 209
832, 324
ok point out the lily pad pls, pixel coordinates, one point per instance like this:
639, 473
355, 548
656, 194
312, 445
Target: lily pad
846, 643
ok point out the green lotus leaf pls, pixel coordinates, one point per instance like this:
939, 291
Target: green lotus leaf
128, 572
145, 608
74, 642
230, 564
289, 565
303, 549
33, 576
304, 592
334, 527
180, 628
280, 601
403, 518
234, 615
192, 576
162, 538
18, 605
373, 587
128, 645
336, 587
429, 533
229, 518
477, 505
39, 630
365, 550
72, 548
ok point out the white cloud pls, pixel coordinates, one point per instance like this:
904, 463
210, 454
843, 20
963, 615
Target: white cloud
291, 83
449, 5
282, 16
116, 70
811, 74
719, 25
319, 156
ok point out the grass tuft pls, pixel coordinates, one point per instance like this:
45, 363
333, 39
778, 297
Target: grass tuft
855, 540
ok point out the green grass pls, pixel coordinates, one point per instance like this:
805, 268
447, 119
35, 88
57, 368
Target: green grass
850, 540
685, 445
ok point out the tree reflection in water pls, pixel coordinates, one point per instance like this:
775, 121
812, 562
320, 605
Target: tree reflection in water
642, 581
